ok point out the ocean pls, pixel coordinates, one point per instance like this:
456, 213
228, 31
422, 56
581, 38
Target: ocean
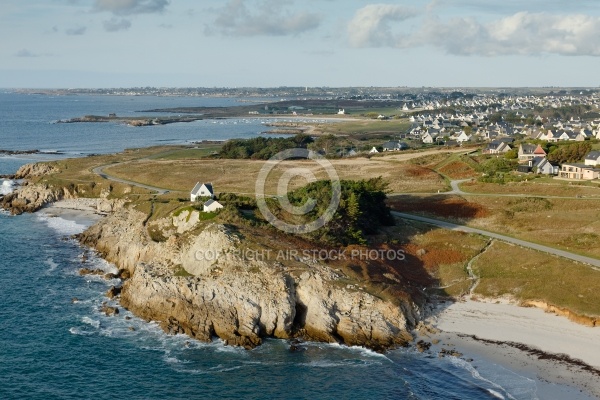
56, 344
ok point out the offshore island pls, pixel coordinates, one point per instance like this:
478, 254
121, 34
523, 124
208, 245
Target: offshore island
395, 255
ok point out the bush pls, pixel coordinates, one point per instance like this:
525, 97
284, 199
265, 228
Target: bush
361, 211
261, 148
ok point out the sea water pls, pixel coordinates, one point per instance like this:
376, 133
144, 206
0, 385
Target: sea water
55, 343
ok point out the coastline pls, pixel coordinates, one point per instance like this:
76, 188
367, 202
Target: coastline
82, 212
542, 346
471, 326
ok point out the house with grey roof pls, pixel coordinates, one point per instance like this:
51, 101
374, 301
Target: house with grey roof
530, 151
202, 190
593, 158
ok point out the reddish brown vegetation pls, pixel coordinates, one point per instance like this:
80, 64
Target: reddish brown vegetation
416, 171
458, 170
442, 206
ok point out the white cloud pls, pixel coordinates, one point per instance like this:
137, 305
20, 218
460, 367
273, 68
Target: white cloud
115, 25
523, 33
266, 18
370, 26
519, 34
130, 7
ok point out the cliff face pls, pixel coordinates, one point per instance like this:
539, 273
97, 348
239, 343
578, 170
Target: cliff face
199, 284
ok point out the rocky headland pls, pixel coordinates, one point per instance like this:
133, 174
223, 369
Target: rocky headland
31, 197
242, 301
239, 300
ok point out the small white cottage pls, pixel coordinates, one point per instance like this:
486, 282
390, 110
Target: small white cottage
202, 190
211, 206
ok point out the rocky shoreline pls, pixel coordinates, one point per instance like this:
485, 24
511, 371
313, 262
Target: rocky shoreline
241, 301
238, 300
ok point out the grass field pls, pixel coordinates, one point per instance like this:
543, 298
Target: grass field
359, 127
526, 274
239, 176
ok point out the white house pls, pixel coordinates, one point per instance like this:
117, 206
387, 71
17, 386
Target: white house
462, 137
211, 206
373, 150
341, 111
427, 138
202, 190
593, 158
544, 167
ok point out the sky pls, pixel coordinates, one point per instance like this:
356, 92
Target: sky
271, 43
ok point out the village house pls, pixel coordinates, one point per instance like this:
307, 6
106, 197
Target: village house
462, 137
540, 166
593, 158
394, 146
211, 206
579, 171
530, 151
427, 138
202, 190
496, 147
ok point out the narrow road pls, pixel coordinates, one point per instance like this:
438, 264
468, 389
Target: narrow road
462, 228
100, 172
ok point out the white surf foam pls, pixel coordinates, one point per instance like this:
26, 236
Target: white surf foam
51, 265
92, 322
79, 332
475, 374
7, 186
61, 225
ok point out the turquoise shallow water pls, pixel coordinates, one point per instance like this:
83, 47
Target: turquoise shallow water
54, 348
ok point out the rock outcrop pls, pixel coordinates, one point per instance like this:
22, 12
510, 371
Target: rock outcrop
198, 284
32, 197
32, 170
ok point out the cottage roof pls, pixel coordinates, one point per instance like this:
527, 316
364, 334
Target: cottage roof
593, 155
199, 185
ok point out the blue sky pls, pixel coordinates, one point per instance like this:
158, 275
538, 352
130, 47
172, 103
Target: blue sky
123, 43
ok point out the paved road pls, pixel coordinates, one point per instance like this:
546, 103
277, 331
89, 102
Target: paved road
100, 172
456, 190
456, 227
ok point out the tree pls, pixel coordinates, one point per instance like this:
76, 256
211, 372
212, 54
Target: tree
324, 142
570, 153
512, 154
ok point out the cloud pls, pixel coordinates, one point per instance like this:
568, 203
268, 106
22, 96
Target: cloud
523, 33
520, 34
130, 7
370, 26
25, 53
115, 25
76, 31
267, 18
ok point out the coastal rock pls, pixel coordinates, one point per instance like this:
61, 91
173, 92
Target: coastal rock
240, 301
113, 292
37, 169
109, 310
210, 249
186, 221
32, 197
87, 271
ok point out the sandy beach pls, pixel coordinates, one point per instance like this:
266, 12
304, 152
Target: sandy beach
544, 347
81, 211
